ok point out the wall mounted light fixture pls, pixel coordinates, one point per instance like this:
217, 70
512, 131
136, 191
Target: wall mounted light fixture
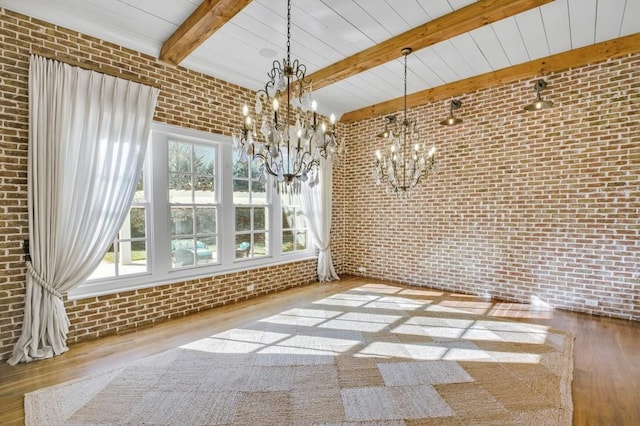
451, 120
539, 103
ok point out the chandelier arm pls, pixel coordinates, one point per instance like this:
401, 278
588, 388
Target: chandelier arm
264, 160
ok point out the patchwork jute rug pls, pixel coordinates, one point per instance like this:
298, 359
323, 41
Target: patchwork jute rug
377, 354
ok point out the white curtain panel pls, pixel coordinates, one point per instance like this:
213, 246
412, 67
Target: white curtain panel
316, 206
88, 135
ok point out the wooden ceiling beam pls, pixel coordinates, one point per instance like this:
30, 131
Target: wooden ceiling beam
203, 22
468, 18
538, 67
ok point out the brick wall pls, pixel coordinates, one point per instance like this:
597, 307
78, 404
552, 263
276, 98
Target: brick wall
543, 204
524, 205
187, 99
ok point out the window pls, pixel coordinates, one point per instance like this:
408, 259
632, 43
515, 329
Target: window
198, 211
193, 203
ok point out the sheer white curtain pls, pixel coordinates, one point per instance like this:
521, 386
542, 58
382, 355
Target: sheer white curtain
88, 135
316, 206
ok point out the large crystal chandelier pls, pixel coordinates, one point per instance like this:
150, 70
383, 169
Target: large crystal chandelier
286, 136
406, 159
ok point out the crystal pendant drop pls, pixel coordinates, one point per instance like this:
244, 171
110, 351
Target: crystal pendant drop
274, 152
282, 83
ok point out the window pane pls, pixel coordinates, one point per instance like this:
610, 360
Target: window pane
241, 192
259, 218
301, 240
180, 188
240, 170
260, 244
204, 253
107, 267
255, 170
287, 241
204, 190
243, 245
258, 192
287, 217
207, 249
182, 252
136, 223
132, 258
243, 219
203, 160
139, 196
205, 220
179, 157
181, 221
300, 221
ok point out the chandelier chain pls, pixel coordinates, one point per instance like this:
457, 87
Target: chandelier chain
288, 31
405, 87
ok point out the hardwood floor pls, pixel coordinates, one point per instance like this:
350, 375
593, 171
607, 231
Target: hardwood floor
606, 381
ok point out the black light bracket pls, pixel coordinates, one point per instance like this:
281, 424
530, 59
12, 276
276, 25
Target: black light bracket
25, 249
540, 86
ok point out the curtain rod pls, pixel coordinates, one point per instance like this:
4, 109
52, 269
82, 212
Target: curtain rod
104, 69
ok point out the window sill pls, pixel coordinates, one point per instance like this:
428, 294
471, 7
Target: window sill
140, 281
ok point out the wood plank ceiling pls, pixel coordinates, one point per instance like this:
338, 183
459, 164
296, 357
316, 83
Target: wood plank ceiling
352, 48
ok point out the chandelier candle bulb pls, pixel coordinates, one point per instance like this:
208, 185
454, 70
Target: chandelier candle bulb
314, 105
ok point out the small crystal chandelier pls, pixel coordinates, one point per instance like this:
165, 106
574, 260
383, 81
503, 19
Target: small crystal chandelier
405, 161
287, 138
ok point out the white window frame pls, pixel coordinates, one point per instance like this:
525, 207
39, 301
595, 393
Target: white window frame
159, 226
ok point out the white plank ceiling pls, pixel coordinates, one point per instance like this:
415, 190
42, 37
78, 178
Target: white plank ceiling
326, 31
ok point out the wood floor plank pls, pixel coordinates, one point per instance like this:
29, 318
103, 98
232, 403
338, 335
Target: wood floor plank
606, 353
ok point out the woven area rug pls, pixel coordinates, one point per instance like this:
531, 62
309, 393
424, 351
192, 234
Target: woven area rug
377, 354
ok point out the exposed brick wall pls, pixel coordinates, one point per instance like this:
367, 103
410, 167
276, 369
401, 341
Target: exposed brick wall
187, 99
98, 316
543, 204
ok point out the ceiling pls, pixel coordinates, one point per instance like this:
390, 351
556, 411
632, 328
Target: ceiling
327, 31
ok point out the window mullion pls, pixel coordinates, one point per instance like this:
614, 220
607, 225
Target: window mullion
161, 224
226, 230
276, 223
